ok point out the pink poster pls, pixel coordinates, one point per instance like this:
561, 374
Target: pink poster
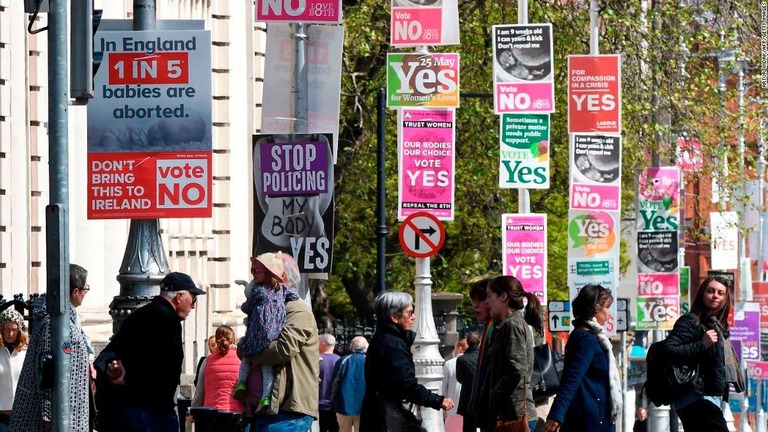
658, 284
426, 159
290, 11
534, 97
595, 197
525, 251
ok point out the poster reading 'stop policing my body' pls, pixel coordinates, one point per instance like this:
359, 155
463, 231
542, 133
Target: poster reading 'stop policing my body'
523, 69
293, 199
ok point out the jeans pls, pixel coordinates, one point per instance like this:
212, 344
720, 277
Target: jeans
134, 419
702, 415
282, 422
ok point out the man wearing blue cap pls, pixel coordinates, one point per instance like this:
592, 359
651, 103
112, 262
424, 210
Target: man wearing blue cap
140, 369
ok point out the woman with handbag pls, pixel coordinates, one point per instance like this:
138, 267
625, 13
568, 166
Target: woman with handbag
390, 374
510, 354
589, 397
700, 338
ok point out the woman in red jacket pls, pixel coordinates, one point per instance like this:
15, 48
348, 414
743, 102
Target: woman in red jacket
218, 375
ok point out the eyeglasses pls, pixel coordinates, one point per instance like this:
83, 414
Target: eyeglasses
86, 288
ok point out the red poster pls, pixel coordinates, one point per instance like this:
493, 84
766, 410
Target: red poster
594, 94
139, 185
760, 295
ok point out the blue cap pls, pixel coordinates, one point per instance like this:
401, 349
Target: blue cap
178, 281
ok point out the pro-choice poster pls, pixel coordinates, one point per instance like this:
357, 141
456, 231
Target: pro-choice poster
149, 125
524, 151
593, 253
658, 220
293, 199
423, 80
725, 240
426, 161
323, 75
525, 251
594, 94
424, 22
523, 69
595, 172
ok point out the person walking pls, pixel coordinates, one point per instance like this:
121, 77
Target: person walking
701, 338
348, 387
390, 374
589, 397
465, 374
32, 403
479, 401
136, 388
510, 352
12, 354
451, 387
328, 361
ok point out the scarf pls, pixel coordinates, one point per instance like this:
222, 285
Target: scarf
613, 371
480, 371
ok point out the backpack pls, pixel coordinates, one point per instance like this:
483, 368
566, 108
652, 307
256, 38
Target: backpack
665, 382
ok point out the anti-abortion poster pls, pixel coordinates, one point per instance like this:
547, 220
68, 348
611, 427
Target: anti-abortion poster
324, 81
525, 251
594, 94
423, 80
658, 220
523, 69
424, 22
595, 172
524, 151
149, 125
305, 11
426, 162
293, 199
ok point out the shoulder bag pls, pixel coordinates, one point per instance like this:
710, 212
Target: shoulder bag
518, 425
398, 419
544, 380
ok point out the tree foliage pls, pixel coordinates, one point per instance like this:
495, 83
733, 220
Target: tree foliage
669, 87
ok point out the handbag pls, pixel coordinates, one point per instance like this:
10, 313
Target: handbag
733, 374
517, 425
398, 419
544, 380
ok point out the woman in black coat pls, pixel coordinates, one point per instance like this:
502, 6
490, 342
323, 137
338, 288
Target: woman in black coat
390, 374
698, 339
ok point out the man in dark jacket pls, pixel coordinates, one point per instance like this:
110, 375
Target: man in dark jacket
465, 374
140, 369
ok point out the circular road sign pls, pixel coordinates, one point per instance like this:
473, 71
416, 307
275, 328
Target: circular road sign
421, 235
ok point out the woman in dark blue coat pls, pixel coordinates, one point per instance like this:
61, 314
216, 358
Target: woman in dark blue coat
589, 397
390, 374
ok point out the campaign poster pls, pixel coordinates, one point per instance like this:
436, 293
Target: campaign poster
423, 80
149, 126
293, 199
594, 94
426, 162
591, 233
658, 284
304, 11
685, 290
324, 81
595, 167
689, 155
524, 151
657, 313
523, 77
525, 251
658, 220
760, 295
745, 333
424, 22
725, 240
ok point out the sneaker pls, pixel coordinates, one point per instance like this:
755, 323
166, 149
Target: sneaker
264, 401
239, 391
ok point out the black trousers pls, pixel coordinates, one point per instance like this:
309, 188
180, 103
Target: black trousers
469, 423
703, 416
328, 421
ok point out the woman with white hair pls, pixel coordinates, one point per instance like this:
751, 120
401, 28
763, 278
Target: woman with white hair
390, 374
15, 340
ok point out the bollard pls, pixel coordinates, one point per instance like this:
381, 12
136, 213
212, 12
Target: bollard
658, 418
